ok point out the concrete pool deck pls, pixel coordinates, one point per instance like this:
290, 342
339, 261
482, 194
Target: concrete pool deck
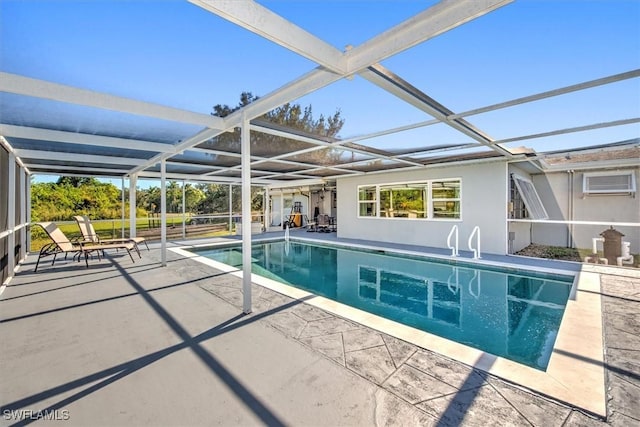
578, 346
138, 344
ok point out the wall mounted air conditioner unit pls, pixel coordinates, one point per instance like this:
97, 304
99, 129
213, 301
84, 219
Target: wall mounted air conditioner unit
618, 182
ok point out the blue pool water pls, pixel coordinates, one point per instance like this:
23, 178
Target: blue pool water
507, 313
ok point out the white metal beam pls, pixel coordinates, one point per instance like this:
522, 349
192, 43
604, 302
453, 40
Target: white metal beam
266, 209
133, 197
572, 130
254, 159
430, 23
260, 20
305, 173
163, 213
357, 138
10, 149
231, 207
246, 215
89, 170
76, 157
83, 138
319, 142
393, 84
196, 165
20, 85
184, 209
297, 183
222, 169
28, 217
23, 214
213, 151
291, 135
308, 83
390, 131
11, 215
551, 93
188, 143
295, 174
122, 202
201, 178
340, 168
427, 166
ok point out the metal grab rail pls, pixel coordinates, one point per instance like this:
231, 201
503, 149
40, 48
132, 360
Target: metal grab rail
454, 249
450, 285
476, 252
476, 276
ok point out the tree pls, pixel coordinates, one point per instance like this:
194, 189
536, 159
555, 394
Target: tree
74, 196
76, 181
193, 196
216, 198
149, 199
292, 116
289, 115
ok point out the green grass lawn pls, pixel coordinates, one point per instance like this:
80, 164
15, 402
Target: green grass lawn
106, 229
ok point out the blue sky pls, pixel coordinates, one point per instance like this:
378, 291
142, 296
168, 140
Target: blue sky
174, 53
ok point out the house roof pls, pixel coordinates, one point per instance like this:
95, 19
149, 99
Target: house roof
620, 154
63, 129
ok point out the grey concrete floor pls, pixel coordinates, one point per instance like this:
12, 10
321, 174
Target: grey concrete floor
138, 344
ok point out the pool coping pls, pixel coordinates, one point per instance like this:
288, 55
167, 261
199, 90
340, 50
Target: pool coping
575, 374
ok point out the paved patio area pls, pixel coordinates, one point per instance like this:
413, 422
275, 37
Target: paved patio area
138, 344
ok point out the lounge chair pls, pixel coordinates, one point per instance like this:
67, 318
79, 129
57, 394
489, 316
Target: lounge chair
62, 245
89, 234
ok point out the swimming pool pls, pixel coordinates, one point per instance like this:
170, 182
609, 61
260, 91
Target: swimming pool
510, 313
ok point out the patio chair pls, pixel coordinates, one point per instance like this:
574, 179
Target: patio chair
323, 223
62, 244
89, 234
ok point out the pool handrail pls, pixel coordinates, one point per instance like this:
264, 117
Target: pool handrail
454, 249
476, 251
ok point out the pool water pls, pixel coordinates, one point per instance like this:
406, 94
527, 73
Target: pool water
508, 313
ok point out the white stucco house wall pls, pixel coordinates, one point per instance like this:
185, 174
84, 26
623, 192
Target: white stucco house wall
482, 203
596, 185
489, 198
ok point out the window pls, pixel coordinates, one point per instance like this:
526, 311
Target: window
403, 201
609, 183
517, 210
416, 295
437, 199
367, 201
445, 197
530, 197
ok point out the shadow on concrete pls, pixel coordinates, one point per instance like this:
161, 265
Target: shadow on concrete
608, 366
83, 271
117, 372
151, 267
618, 297
462, 401
117, 297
